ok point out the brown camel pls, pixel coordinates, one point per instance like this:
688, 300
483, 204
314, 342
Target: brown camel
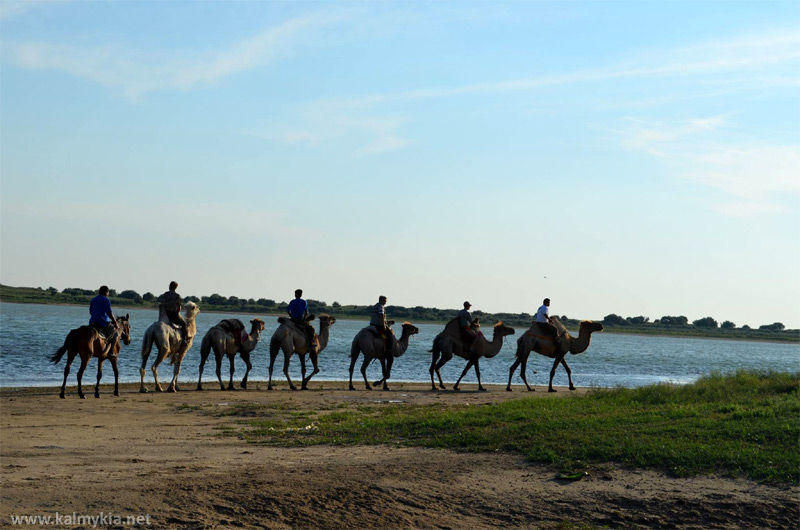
449, 342
220, 339
87, 342
291, 339
535, 340
368, 342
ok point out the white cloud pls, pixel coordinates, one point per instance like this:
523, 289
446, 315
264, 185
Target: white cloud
753, 174
137, 72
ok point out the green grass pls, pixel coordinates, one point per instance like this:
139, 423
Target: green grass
744, 424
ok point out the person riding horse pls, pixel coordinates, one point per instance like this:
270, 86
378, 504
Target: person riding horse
102, 319
171, 303
298, 313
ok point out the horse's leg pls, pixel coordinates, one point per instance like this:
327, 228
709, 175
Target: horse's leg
569, 373
99, 375
84, 362
70, 358
553, 372
466, 369
230, 381
364, 365
286, 358
113, 361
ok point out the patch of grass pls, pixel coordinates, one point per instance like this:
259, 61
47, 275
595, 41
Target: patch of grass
741, 424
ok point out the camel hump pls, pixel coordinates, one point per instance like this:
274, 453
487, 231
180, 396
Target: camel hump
452, 328
558, 325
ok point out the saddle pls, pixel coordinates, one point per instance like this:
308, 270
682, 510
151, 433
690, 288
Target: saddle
374, 330
234, 327
287, 320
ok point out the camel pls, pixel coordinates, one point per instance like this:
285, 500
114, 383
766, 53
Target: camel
168, 341
87, 342
222, 342
368, 342
290, 339
449, 342
534, 340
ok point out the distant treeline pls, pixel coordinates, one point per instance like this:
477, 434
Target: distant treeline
666, 325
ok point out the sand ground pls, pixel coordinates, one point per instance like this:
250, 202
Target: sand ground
162, 455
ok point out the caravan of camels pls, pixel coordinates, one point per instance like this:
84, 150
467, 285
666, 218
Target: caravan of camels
173, 335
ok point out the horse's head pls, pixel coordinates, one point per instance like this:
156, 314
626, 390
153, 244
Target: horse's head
124, 324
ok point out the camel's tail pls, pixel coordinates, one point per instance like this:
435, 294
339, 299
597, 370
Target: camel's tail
205, 346
147, 345
56, 357
355, 349
436, 349
274, 347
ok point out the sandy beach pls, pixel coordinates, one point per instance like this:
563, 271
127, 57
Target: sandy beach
162, 455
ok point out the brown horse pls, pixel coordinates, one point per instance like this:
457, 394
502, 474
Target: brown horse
87, 342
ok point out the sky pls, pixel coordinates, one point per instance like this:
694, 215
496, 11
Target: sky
637, 158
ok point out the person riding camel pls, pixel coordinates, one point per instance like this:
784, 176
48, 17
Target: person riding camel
171, 303
378, 321
543, 320
298, 313
466, 325
102, 319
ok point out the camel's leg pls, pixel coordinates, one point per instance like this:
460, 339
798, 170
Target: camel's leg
314, 359
286, 358
478, 373
249, 366
272, 358
445, 358
387, 372
511, 371
70, 358
162, 352
524, 375
84, 363
303, 380
230, 381
113, 361
434, 358
553, 372
99, 375
382, 362
364, 365
176, 371
466, 369
569, 373
203, 359
218, 361
353, 359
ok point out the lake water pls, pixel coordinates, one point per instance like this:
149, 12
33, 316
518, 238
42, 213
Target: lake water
29, 334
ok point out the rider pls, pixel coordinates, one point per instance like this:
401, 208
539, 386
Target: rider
378, 320
298, 312
465, 322
171, 303
102, 319
544, 321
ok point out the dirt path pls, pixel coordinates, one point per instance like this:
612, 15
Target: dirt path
161, 454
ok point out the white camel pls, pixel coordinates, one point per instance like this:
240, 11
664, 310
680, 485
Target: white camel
167, 339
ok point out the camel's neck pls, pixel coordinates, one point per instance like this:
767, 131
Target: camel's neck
402, 344
252, 339
191, 326
492, 348
323, 336
579, 344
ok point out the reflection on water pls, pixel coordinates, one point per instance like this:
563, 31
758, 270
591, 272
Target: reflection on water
30, 333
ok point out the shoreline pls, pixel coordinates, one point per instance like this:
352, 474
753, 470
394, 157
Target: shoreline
612, 331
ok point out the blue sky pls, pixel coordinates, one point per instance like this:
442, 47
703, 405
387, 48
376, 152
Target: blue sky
634, 158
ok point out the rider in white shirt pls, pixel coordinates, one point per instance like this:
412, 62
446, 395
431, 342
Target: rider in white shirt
543, 319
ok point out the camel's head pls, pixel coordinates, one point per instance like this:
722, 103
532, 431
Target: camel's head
326, 321
591, 326
258, 325
410, 329
124, 324
503, 330
190, 310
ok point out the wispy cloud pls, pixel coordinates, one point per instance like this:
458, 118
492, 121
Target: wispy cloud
137, 72
751, 174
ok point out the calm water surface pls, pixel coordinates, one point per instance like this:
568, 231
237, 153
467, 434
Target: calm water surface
29, 334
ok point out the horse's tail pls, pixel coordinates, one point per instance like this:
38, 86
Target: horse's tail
147, 345
56, 357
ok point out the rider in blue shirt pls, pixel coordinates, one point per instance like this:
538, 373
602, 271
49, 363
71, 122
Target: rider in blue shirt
100, 310
298, 312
